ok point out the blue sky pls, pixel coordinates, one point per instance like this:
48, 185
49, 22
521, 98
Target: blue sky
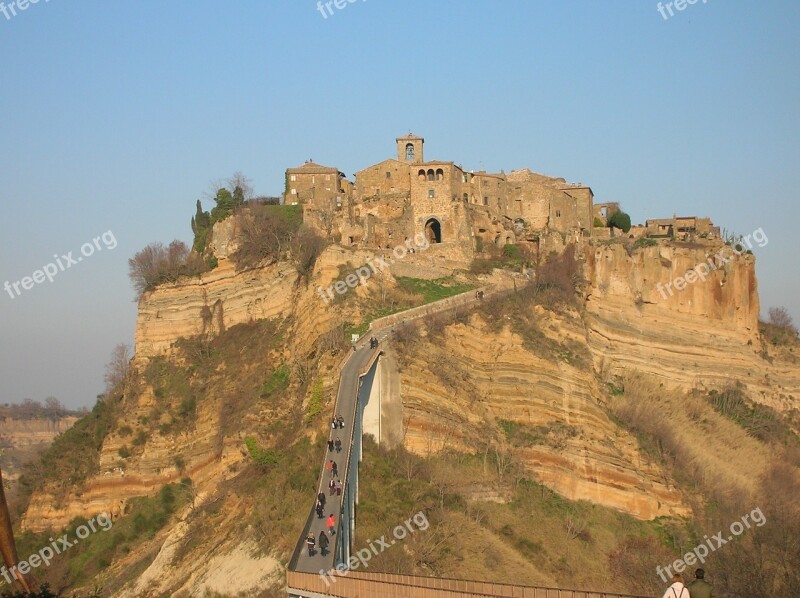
117, 117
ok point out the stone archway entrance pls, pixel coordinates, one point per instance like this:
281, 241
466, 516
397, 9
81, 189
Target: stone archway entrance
433, 231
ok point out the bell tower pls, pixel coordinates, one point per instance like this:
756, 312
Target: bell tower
409, 149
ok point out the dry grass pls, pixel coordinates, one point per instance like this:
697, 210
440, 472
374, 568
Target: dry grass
687, 433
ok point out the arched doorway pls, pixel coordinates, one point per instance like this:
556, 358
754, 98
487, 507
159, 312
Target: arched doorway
433, 231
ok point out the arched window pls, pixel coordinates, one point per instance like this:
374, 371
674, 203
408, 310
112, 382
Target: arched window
439, 174
410, 152
431, 175
421, 174
466, 198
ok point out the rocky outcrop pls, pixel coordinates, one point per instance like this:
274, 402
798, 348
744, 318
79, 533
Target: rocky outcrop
705, 335
211, 303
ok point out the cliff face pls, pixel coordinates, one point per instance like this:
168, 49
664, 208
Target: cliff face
705, 335
209, 304
26, 433
21, 440
470, 389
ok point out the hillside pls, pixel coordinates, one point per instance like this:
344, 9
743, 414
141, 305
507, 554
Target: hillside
626, 426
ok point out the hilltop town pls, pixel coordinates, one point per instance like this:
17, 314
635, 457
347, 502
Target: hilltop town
460, 211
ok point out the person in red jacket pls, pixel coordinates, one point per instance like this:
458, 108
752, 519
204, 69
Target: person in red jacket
331, 523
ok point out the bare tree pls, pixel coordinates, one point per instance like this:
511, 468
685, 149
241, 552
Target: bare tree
242, 182
117, 369
780, 317
156, 264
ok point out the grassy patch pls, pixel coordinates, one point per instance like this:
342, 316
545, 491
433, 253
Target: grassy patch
433, 290
315, 401
644, 242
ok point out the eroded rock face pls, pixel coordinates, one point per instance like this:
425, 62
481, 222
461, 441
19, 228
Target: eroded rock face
211, 303
24, 433
182, 310
705, 335
572, 446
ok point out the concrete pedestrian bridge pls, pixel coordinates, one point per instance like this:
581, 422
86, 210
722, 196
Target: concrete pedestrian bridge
307, 576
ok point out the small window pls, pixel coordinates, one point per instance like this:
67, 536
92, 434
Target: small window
294, 191
486, 200
294, 177
558, 213
327, 177
388, 175
431, 193
377, 191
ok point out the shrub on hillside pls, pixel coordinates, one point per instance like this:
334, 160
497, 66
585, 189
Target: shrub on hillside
156, 264
780, 328
306, 247
265, 235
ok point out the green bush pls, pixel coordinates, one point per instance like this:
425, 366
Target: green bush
620, 220
511, 252
278, 381
644, 242
263, 457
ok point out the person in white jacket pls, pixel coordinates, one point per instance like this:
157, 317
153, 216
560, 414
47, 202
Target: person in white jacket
677, 589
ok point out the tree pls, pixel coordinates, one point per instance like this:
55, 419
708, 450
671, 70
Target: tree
53, 408
117, 369
224, 207
306, 246
156, 264
780, 317
243, 184
620, 220
201, 224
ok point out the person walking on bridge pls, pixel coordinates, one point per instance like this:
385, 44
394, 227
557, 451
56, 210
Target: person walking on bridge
331, 524
321, 498
332, 487
340, 421
320, 510
323, 543
330, 445
335, 470
700, 588
677, 589
338, 444
330, 467
310, 542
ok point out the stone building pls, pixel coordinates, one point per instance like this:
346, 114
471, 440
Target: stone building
682, 227
459, 211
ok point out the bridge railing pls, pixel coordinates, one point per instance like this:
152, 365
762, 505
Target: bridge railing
385, 585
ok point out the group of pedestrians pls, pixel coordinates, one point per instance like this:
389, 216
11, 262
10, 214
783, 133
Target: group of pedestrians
335, 489
312, 541
373, 343
698, 588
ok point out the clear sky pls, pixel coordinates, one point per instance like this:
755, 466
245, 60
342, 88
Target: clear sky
116, 116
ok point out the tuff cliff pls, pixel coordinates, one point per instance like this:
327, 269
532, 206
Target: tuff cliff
704, 336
